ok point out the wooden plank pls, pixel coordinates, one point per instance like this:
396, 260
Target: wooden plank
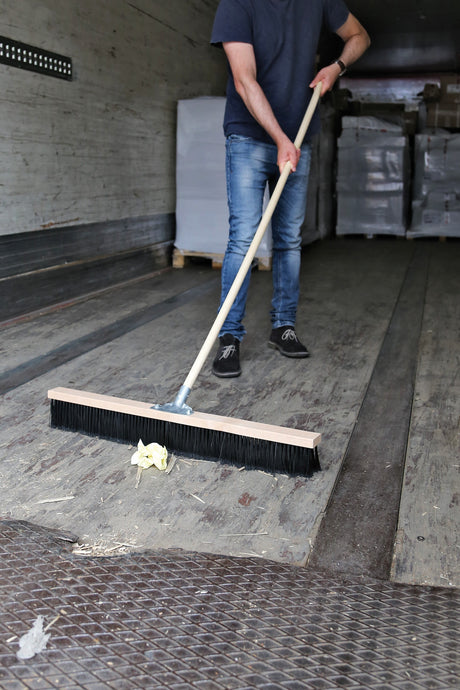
42, 289
426, 549
182, 256
31, 251
100, 147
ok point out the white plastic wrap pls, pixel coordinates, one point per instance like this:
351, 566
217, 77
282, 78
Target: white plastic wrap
437, 215
201, 203
436, 191
436, 164
371, 214
34, 641
374, 162
372, 178
363, 123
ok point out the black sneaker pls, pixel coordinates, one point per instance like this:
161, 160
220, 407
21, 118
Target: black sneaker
286, 341
227, 361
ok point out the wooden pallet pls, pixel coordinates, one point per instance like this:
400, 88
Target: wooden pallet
182, 256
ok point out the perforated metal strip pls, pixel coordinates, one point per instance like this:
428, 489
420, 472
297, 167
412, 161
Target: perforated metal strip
24, 56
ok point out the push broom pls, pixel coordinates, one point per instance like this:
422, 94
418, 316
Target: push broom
175, 425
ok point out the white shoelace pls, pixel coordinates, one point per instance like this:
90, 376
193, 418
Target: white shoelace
227, 351
289, 334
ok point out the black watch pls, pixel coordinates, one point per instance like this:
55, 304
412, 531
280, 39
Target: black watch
343, 67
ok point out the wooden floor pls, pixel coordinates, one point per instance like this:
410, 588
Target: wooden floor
139, 340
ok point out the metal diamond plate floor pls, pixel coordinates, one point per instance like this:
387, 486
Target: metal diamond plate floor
178, 620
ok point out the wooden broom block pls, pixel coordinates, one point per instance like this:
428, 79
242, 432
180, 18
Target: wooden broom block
240, 427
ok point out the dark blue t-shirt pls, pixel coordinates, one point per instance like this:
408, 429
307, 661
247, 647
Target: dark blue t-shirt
284, 35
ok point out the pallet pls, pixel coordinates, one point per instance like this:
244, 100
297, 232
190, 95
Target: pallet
182, 256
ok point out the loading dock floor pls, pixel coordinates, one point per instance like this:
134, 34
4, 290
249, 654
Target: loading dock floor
137, 341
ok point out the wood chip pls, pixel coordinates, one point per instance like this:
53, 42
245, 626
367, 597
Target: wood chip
52, 622
170, 466
245, 534
55, 500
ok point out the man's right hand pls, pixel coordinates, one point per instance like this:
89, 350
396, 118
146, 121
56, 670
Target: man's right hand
287, 152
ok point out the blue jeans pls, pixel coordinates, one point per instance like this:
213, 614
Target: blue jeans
250, 166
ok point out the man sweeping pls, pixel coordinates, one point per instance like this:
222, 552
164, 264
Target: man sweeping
271, 48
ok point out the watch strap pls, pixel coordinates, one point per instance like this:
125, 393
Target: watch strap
342, 65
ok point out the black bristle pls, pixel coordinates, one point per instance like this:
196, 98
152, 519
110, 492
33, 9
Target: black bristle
187, 440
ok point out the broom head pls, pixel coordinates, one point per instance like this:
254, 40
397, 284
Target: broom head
200, 435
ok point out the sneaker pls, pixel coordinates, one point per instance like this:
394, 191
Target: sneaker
227, 361
286, 341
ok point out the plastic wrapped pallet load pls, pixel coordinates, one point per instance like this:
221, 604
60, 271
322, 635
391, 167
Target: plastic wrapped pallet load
436, 193
437, 215
372, 178
201, 201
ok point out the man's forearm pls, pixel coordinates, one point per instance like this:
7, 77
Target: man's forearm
354, 47
243, 65
356, 40
259, 107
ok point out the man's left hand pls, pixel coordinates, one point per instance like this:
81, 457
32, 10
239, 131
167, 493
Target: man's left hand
328, 76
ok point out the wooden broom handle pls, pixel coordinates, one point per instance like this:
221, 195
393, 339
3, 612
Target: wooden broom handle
247, 261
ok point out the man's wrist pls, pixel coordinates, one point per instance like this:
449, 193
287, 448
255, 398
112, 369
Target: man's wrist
342, 66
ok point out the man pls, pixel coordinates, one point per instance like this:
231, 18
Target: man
271, 48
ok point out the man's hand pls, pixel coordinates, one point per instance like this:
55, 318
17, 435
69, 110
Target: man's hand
287, 152
328, 76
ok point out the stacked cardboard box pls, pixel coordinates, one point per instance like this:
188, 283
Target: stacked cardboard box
443, 110
436, 190
201, 196
372, 177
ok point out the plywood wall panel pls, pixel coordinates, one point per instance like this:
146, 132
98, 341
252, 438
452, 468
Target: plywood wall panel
101, 147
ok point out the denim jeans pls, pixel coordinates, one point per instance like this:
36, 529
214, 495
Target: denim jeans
250, 166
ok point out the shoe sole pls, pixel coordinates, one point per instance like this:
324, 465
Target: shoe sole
292, 355
228, 375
